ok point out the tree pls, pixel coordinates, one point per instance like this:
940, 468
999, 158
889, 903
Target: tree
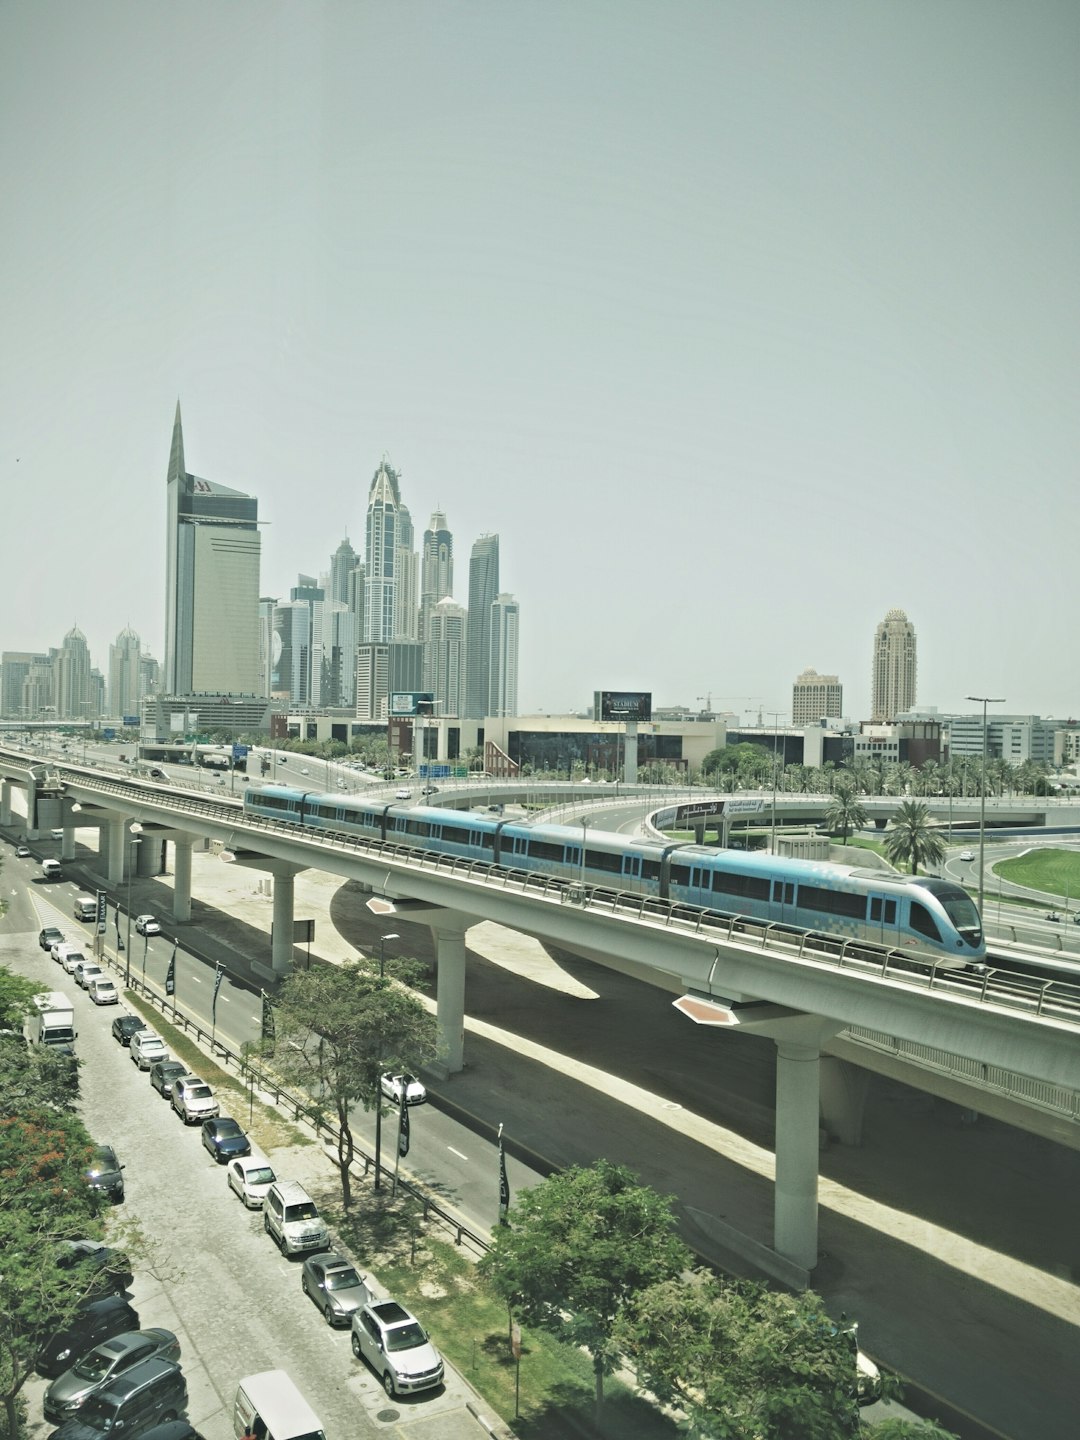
845, 811
16, 997
44, 1198
912, 837
577, 1248
35, 1078
744, 1362
337, 1028
896, 1429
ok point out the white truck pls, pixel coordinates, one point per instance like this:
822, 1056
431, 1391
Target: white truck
51, 1021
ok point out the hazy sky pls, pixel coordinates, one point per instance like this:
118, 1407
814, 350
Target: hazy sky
741, 323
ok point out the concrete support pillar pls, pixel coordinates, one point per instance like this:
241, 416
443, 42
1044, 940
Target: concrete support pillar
115, 835
182, 879
67, 841
629, 773
796, 1202
449, 939
281, 950
5, 802
148, 858
843, 1099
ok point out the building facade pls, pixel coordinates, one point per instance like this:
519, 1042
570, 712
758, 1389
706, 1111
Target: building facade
212, 583
125, 674
816, 697
894, 671
483, 589
503, 657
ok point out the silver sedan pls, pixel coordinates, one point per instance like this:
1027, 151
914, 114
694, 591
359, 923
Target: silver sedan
335, 1286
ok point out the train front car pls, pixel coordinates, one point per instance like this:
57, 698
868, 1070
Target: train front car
956, 917
283, 803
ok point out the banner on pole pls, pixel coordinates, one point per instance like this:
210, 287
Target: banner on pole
219, 971
504, 1184
170, 974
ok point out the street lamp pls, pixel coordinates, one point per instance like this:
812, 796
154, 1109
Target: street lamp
775, 717
378, 1097
134, 838
984, 701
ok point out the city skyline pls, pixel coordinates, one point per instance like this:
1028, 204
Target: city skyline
738, 326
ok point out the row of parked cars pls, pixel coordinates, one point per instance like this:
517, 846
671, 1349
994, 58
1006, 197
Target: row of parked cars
384, 1333
83, 968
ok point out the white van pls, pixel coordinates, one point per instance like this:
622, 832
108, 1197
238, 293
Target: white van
270, 1407
51, 870
85, 907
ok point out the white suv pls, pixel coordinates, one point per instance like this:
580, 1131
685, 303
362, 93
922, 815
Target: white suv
292, 1218
193, 1100
145, 1047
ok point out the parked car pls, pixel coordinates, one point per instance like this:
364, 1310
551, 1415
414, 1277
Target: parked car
69, 1391
124, 1026
85, 971
335, 1286
103, 1173
145, 1047
147, 925
61, 949
108, 1271
224, 1139
103, 991
70, 957
22, 852
96, 1320
250, 1177
396, 1346
392, 1085
48, 937
292, 1218
192, 1099
152, 1391
163, 1073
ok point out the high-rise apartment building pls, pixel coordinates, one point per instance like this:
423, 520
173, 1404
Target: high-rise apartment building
125, 674
15, 667
436, 567
342, 563
816, 697
75, 696
212, 584
893, 688
445, 651
503, 657
380, 555
483, 589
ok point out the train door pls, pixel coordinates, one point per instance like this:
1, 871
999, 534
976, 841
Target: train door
882, 920
631, 872
782, 904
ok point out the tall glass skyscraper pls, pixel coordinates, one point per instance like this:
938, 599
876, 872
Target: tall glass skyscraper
211, 584
483, 589
380, 555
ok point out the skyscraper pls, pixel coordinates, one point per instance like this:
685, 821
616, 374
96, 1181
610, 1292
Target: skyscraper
816, 697
380, 555
893, 687
483, 588
436, 567
125, 674
75, 699
343, 561
503, 657
445, 653
212, 584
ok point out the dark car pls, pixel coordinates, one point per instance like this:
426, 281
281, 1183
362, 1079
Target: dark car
103, 1173
69, 1391
48, 937
172, 1430
336, 1287
124, 1026
224, 1139
163, 1073
150, 1393
107, 1270
96, 1320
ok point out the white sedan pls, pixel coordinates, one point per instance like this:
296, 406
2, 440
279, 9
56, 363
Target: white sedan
147, 925
250, 1177
415, 1093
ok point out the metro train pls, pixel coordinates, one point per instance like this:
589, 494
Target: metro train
918, 913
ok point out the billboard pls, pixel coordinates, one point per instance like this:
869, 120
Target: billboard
131, 721
622, 705
404, 704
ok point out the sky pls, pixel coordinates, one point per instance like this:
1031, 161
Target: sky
741, 324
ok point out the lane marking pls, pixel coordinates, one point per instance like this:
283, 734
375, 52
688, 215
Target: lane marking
457, 1153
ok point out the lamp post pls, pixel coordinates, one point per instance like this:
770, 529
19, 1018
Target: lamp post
774, 715
378, 1096
134, 838
984, 701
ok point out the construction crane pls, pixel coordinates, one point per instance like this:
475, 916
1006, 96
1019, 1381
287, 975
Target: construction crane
708, 698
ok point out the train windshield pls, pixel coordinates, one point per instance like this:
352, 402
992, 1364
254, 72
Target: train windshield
959, 907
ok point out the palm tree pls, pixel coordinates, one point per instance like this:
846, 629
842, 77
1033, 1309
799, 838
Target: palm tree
844, 811
913, 838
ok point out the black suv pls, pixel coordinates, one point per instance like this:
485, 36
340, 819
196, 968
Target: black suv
148, 1394
48, 937
97, 1320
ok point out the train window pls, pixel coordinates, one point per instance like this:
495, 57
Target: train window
603, 860
923, 921
650, 870
680, 874
783, 893
832, 902
876, 913
751, 887
417, 827
545, 850
461, 835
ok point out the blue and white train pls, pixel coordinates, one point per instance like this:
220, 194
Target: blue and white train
923, 914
